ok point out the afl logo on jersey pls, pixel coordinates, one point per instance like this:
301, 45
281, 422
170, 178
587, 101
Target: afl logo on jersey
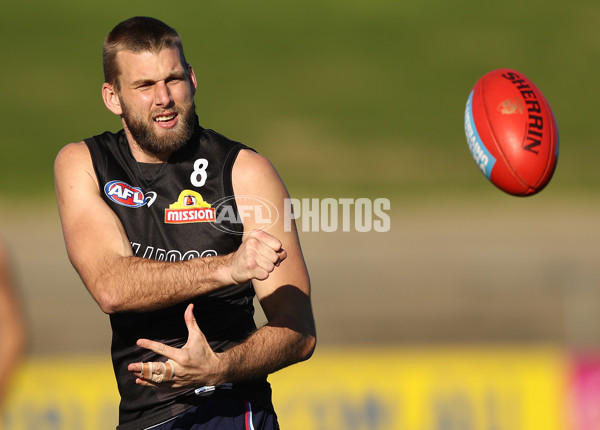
124, 194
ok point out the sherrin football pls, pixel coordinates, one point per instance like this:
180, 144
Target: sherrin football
511, 132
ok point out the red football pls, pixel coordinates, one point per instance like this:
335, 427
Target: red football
511, 132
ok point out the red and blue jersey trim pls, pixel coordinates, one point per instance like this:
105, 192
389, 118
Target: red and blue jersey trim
248, 416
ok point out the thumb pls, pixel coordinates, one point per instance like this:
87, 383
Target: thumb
190, 319
194, 332
195, 335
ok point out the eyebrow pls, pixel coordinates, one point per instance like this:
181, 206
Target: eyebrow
172, 75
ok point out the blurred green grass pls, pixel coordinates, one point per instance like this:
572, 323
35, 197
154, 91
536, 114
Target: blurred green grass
347, 98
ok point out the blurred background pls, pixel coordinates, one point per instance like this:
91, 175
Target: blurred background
476, 310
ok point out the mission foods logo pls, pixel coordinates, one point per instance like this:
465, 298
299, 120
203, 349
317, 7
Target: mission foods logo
189, 207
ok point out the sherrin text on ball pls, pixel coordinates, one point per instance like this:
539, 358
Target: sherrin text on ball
511, 132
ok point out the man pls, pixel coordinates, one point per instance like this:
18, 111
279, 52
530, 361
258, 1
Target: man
13, 332
151, 225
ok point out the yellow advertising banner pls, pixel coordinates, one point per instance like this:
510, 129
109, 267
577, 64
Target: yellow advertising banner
63, 393
424, 389
342, 388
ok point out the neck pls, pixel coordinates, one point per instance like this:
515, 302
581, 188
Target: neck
143, 156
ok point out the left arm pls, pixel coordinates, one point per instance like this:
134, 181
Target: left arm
289, 335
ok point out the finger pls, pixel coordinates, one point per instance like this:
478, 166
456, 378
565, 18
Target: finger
154, 371
163, 372
159, 348
273, 256
145, 370
150, 383
141, 369
146, 383
159, 373
262, 252
267, 239
268, 260
261, 268
281, 255
170, 371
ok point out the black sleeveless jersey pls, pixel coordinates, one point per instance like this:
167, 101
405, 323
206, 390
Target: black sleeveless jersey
170, 212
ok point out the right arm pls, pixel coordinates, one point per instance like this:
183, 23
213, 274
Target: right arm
101, 253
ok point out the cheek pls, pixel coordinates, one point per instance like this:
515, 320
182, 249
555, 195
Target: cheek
138, 100
183, 94
144, 101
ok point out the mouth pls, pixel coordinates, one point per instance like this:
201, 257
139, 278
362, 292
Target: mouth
166, 120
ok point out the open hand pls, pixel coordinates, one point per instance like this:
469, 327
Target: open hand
194, 364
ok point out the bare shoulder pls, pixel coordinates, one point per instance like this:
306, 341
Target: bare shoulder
73, 161
72, 153
252, 169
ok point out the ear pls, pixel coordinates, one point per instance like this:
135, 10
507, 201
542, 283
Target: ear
193, 80
111, 99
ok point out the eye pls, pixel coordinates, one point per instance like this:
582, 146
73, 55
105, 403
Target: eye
175, 78
143, 87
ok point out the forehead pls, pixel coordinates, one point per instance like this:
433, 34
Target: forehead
148, 65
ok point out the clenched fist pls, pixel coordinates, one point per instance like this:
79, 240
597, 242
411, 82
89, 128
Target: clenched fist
258, 255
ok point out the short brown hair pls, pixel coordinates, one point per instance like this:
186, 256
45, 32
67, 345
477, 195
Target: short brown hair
137, 34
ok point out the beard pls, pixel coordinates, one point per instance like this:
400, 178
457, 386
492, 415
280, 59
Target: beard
147, 137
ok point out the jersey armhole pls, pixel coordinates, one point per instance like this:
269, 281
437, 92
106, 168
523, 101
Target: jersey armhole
98, 158
228, 177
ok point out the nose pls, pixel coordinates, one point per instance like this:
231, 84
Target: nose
162, 96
